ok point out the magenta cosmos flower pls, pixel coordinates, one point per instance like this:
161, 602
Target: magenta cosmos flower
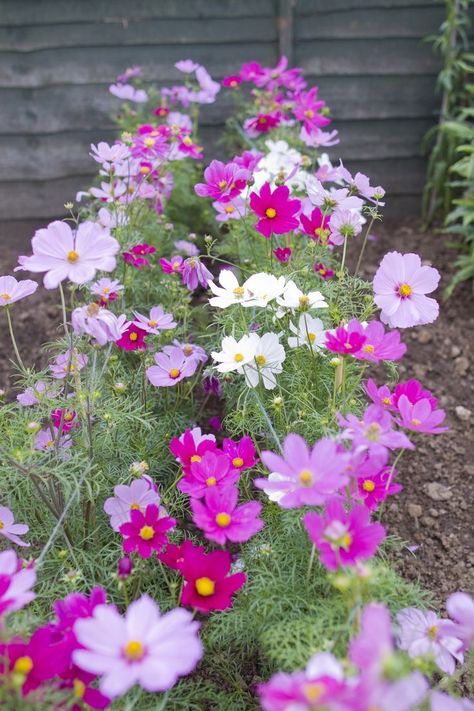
303, 476
345, 340
221, 519
241, 453
343, 537
143, 647
400, 288
223, 181
135, 497
11, 530
214, 469
175, 556
174, 265
15, 583
65, 420
132, 339
421, 633
171, 368
316, 226
375, 483
275, 210
64, 254
146, 532
191, 446
378, 345
12, 290
420, 416
374, 432
208, 584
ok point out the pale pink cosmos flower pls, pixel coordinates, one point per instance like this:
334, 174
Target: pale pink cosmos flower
143, 647
12, 290
171, 367
108, 155
11, 530
100, 323
400, 287
64, 254
68, 363
460, 607
344, 224
157, 321
137, 496
46, 439
109, 192
421, 633
128, 93
15, 583
187, 66
32, 396
443, 702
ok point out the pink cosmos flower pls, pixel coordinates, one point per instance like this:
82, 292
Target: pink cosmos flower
443, 702
64, 254
241, 453
420, 416
378, 345
414, 391
224, 181
175, 556
248, 159
132, 339
232, 81
190, 350
187, 66
275, 210
187, 247
221, 519
157, 321
235, 209
100, 323
400, 288
191, 446
12, 290
381, 396
171, 368
374, 432
32, 396
344, 224
195, 272
421, 633
68, 363
261, 123
109, 156
146, 532
136, 255
143, 647
135, 497
318, 138
15, 583
345, 340
213, 470
173, 265
323, 271
11, 530
208, 584
46, 440
283, 254
460, 607
317, 226
320, 685
128, 93
375, 482
307, 110
107, 289
129, 73
303, 476
161, 111
250, 71
64, 419
343, 537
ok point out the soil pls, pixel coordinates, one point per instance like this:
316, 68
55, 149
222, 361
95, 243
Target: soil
433, 514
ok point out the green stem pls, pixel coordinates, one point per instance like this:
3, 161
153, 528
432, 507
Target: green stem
311, 561
12, 336
344, 252
362, 249
63, 307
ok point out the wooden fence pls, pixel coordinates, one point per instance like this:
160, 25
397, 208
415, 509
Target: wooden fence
57, 58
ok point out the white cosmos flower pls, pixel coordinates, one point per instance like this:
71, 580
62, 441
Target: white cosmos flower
234, 354
293, 298
268, 361
230, 292
310, 332
263, 288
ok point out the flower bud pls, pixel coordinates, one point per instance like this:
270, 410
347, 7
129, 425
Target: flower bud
125, 567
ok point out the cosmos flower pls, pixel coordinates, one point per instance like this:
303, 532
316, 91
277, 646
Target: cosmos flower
421, 633
12, 290
309, 332
11, 530
275, 210
171, 367
16, 583
157, 320
146, 532
135, 497
221, 519
68, 363
208, 585
213, 469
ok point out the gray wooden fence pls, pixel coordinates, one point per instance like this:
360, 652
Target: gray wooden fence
57, 58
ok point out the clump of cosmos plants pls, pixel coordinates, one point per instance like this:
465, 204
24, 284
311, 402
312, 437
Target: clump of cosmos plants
193, 488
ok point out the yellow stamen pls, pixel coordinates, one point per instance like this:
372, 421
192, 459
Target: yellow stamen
6, 297
195, 458
23, 665
2, 525
72, 256
223, 519
313, 692
239, 291
368, 485
133, 336
135, 507
205, 587
346, 540
311, 337
187, 350
222, 184
404, 290
134, 650
79, 688
373, 432
238, 462
306, 478
415, 422
433, 632
368, 348
238, 357
270, 212
309, 113
212, 481
174, 373
260, 360
304, 300
147, 533
149, 142
229, 209
187, 141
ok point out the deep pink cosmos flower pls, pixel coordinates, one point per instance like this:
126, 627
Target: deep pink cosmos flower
374, 432
343, 537
224, 181
323, 271
378, 345
175, 556
208, 584
171, 367
283, 254
303, 476
137, 496
420, 416
261, 123
213, 470
136, 255
221, 519
143, 647
12, 290
64, 419
375, 482
79, 683
400, 288
345, 340
15, 583
133, 339
241, 453
307, 110
11, 530
64, 254
422, 633
161, 111
317, 226
232, 82
195, 272
191, 446
174, 265
249, 159
157, 320
275, 210
146, 532
250, 70
414, 391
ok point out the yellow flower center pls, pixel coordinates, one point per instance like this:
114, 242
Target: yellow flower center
6, 297
79, 688
72, 256
212, 481
195, 458
223, 519
222, 184
147, 533
205, 587
93, 309
229, 208
49, 443
270, 212
188, 141
386, 401
174, 373
373, 432
306, 478
304, 300
145, 169
187, 350
134, 507
368, 485
433, 632
67, 417
368, 348
2, 525
149, 142
152, 323
260, 360
314, 691
404, 290
415, 422
233, 83
23, 665
311, 337
346, 540
134, 650
239, 290
309, 113
237, 462
238, 357
134, 336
